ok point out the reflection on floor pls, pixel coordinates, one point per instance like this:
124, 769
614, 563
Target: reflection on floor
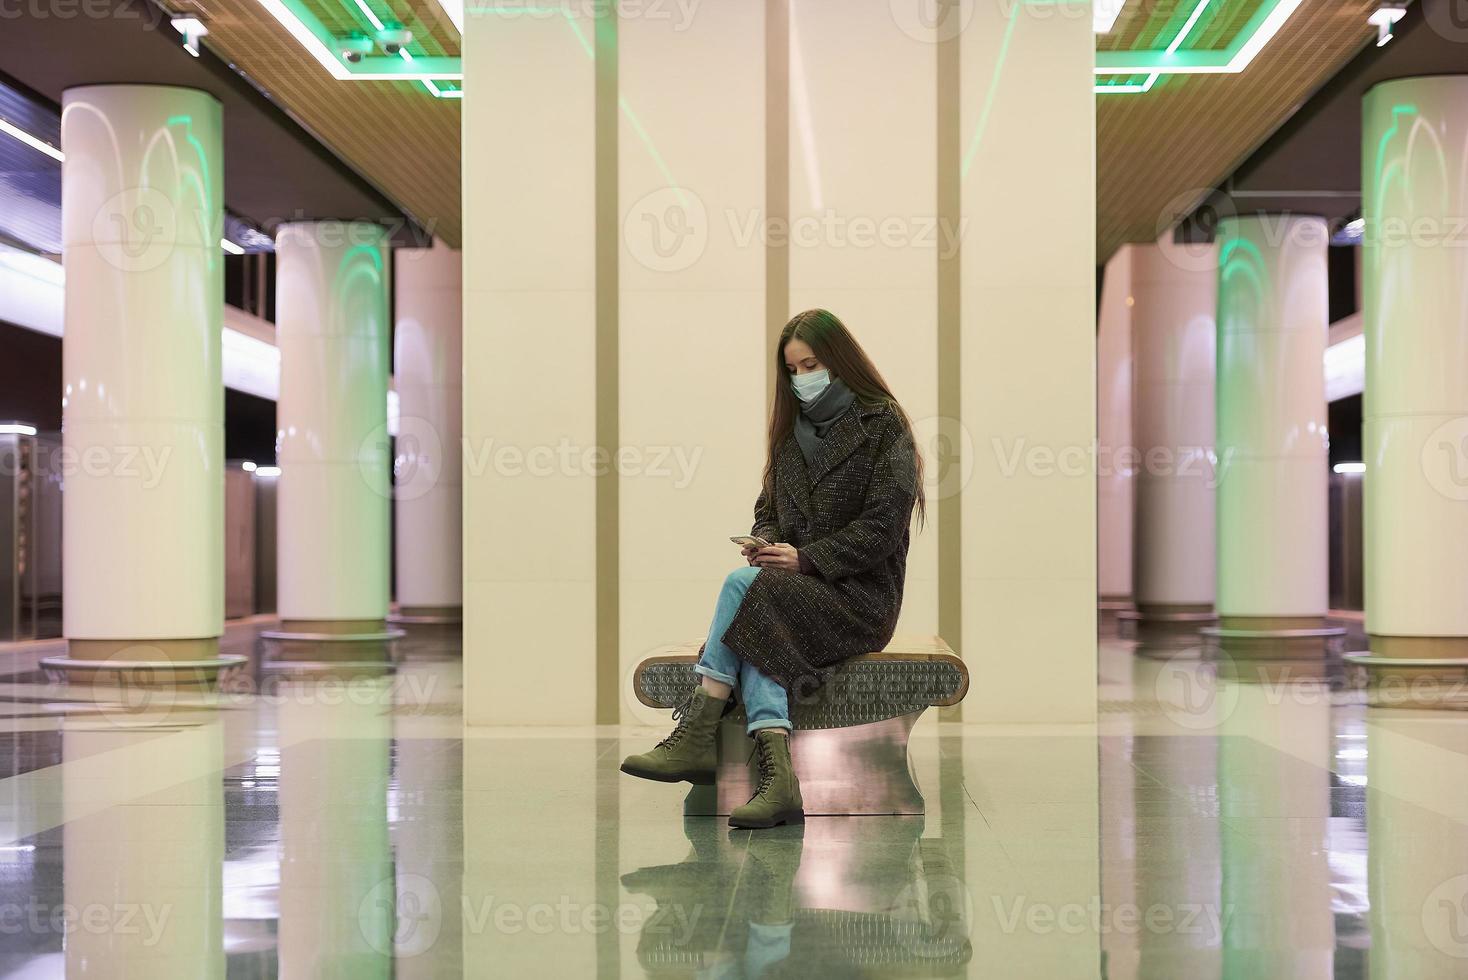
318, 825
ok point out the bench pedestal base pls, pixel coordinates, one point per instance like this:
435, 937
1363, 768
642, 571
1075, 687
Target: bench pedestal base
860, 770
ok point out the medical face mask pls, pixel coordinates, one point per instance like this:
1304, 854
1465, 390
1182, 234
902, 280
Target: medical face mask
808, 387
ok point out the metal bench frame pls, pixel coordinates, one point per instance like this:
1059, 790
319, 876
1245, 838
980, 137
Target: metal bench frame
850, 740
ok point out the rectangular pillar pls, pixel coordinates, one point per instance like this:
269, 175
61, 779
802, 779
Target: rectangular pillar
863, 235
530, 396
1028, 361
692, 404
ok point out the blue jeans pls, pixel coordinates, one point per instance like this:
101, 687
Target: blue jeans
766, 704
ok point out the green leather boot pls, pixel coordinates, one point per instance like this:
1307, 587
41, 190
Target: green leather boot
776, 798
690, 752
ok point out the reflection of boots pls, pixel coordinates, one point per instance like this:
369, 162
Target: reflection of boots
690, 752
692, 900
770, 864
776, 798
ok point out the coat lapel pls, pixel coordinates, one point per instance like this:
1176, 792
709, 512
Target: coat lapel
844, 437
790, 469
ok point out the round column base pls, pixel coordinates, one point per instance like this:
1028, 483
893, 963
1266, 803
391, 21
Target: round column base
175, 665
427, 616
331, 645
1108, 608
1164, 622
1413, 671
1294, 638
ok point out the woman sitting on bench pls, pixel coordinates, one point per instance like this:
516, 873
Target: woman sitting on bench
824, 579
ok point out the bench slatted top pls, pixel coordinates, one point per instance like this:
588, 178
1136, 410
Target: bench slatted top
913, 672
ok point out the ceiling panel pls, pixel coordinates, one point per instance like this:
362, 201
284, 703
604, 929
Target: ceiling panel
275, 170
1157, 152
396, 134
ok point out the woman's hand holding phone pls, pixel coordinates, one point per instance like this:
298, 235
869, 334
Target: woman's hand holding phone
776, 556
749, 545
758, 551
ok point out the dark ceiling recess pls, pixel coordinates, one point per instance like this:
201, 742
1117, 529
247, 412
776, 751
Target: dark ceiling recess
30, 377
275, 170
1312, 163
249, 428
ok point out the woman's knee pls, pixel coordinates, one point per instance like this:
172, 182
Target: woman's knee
739, 579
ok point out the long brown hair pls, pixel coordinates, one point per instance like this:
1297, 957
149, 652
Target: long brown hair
839, 352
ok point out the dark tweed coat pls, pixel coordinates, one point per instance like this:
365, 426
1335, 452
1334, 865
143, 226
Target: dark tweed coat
848, 514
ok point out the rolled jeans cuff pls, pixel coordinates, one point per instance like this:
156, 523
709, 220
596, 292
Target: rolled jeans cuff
716, 675
755, 726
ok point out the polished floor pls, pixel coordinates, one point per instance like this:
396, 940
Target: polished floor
328, 826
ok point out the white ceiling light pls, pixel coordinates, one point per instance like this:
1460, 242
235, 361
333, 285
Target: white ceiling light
455, 11
16, 132
1104, 14
192, 28
1385, 18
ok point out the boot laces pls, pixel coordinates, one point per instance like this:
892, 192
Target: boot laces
681, 712
766, 760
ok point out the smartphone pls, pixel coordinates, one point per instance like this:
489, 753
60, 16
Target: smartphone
749, 541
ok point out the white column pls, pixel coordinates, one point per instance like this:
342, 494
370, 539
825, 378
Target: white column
1274, 744
1115, 498
428, 489
143, 400
1415, 305
340, 910
1175, 287
1273, 322
332, 519
530, 359
142, 863
1418, 886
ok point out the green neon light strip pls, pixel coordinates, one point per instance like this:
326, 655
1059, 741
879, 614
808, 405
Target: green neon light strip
1182, 35
320, 43
1128, 88
1260, 29
973, 144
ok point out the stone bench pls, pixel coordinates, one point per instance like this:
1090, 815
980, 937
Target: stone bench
850, 740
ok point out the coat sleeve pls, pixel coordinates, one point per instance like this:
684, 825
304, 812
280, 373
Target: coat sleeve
886, 511
766, 523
